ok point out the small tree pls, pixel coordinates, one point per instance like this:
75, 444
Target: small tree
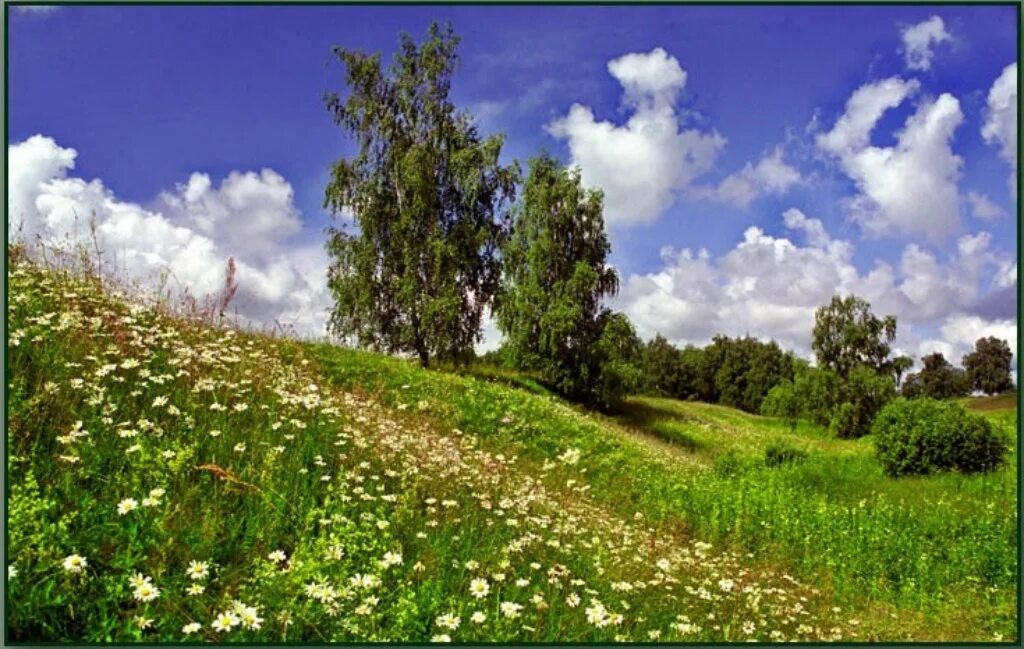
940, 380
619, 356
989, 366
428, 197
819, 392
847, 334
662, 368
555, 276
865, 392
899, 366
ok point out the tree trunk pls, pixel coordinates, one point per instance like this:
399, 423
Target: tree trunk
424, 356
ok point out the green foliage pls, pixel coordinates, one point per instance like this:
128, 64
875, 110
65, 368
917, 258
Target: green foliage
989, 366
782, 401
819, 392
863, 394
847, 334
663, 370
428, 197
778, 453
938, 379
739, 372
619, 353
922, 436
555, 276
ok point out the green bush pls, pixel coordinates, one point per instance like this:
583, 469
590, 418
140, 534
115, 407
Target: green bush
779, 453
923, 436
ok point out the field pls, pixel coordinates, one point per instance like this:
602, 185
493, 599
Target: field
171, 481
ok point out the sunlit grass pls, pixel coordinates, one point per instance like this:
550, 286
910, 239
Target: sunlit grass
170, 481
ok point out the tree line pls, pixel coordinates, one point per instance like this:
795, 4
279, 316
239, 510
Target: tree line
441, 232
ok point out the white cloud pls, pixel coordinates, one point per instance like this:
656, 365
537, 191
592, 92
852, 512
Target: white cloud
771, 175
982, 207
919, 39
770, 286
1000, 126
959, 332
642, 164
852, 131
187, 238
909, 188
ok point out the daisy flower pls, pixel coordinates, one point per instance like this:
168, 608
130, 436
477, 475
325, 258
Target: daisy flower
277, 556
127, 505
198, 570
225, 621
75, 563
479, 588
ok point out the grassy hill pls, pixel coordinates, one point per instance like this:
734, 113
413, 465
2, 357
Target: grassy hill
164, 474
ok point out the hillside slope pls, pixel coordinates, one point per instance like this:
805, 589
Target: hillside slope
173, 481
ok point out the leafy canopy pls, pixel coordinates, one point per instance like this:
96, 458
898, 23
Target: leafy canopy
429, 202
847, 334
989, 366
555, 276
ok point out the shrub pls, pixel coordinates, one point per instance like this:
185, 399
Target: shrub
924, 435
779, 453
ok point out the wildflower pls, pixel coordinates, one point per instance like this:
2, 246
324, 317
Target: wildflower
597, 614
143, 622
663, 565
441, 637
726, 584
195, 589
198, 570
472, 565
522, 583
12, 571
573, 600
214, 433
138, 579
277, 556
127, 505
447, 621
240, 447
479, 588
191, 628
749, 627
146, 592
511, 609
391, 559
478, 617
225, 621
75, 563
250, 618
654, 634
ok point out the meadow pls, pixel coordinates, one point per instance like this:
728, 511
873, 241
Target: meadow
169, 480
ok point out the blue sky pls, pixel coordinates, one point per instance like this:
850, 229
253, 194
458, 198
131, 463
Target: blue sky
148, 96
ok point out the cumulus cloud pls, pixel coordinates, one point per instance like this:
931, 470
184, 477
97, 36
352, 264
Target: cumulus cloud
643, 164
920, 39
907, 189
770, 286
982, 207
185, 239
771, 175
958, 333
1000, 127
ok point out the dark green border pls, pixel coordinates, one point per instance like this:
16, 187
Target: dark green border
581, 3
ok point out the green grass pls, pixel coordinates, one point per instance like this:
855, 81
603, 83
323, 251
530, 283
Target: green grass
999, 402
664, 519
